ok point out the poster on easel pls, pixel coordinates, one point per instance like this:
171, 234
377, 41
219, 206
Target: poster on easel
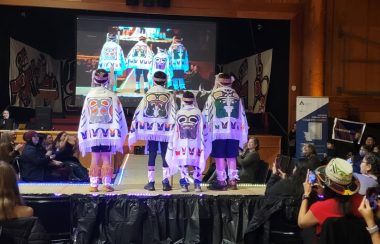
312, 124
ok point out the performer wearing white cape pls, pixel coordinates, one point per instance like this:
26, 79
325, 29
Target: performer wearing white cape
102, 130
112, 57
224, 113
179, 61
153, 121
190, 144
140, 58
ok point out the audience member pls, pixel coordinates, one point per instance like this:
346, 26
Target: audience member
14, 215
370, 170
371, 215
66, 149
8, 149
36, 166
280, 184
336, 186
309, 152
11, 203
331, 152
357, 159
247, 161
6, 123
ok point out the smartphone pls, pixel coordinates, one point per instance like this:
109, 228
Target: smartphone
312, 178
372, 195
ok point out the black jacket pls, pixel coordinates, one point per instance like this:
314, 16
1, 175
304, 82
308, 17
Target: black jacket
23, 231
249, 163
33, 163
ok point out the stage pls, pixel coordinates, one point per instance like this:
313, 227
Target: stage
130, 179
134, 215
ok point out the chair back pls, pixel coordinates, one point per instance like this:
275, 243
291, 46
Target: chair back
344, 230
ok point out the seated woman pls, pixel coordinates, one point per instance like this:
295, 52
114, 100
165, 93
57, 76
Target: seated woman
248, 161
36, 166
14, 215
8, 149
337, 187
66, 151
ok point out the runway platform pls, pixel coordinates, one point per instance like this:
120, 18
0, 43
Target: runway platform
130, 179
133, 215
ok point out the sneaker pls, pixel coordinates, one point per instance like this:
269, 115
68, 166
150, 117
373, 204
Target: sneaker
232, 184
184, 185
166, 185
108, 188
218, 185
93, 189
150, 186
197, 186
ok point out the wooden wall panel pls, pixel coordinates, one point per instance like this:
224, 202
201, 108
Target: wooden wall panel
352, 75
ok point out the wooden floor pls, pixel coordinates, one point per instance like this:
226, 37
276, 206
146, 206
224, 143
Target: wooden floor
131, 180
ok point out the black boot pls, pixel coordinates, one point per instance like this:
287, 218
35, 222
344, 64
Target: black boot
150, 186
166, 185
218, 185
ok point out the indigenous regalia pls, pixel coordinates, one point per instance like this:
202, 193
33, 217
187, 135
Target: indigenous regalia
190, 144
140, 58
102, 121
102, 130
154, 121
179, 61
161, 63
112, 56
224, 113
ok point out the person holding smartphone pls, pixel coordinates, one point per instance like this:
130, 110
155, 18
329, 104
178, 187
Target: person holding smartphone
370, 210
280, 184
336, 183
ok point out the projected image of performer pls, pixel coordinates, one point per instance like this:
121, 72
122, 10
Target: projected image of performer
190, 144
179, 61
102, 130
225, 114
160, 63
112, 55
154, 121
140, 59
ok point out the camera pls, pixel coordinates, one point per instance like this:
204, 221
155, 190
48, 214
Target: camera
372, 195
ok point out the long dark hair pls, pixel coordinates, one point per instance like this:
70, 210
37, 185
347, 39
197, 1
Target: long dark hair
10, 196
344, 201
298, 177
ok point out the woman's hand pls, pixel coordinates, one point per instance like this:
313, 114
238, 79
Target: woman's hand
367, 213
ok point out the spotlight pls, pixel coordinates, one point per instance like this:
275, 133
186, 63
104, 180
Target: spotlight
148, 3
132, 2
163, 3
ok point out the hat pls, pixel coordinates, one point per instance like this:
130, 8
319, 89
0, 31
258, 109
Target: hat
29, 134
142, 38
337, 175
100, 77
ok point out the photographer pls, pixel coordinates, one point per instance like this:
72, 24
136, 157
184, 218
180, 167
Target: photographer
370, 215
281, 184
336, 186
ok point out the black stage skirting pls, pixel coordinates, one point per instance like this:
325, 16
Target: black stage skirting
158, 219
